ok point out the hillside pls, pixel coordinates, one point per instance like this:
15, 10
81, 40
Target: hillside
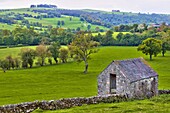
85, 19
57, 81
42, 21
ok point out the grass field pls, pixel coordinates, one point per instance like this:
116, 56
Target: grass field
6, 26
114, 34
155, 105
68, 24
12, 51
67, 80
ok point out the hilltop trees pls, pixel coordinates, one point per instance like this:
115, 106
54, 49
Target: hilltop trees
82, 47
150, 47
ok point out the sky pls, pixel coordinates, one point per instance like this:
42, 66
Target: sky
143, 6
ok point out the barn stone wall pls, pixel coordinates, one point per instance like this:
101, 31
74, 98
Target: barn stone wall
144, 88
104, 81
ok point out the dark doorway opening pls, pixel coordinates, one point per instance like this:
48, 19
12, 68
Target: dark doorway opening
113, 83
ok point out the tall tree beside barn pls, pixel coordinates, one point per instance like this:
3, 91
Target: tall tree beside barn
82, 47
150, 47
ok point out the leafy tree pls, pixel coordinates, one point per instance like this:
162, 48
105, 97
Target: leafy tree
58, 23
50, 61
150, 46
108, 38
78, 29
165, 38
27, 57
88, 27
64, 54
54, 50
4, 64
9, 59
42, 53
62, 22
17, 62
70, 18
82, 47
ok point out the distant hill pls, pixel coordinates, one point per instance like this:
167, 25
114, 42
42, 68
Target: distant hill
42, 19
44, 16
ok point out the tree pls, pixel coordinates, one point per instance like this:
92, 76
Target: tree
108, 38
70, 18
42, 53
82, 47
4, 64
88, 27
78, 29
150, 46
27, 57
62, 22
50, 61
59, 23
10, 61
64, 54
17, 62
165, 38
54, 50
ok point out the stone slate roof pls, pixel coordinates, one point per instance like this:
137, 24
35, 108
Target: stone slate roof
135, 69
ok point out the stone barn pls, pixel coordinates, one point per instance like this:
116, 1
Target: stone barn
133, 78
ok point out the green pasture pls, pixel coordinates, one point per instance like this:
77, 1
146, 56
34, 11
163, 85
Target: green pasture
159, 104
67, 80
20, 11
68, 24
114, 33
12, 51
6, 26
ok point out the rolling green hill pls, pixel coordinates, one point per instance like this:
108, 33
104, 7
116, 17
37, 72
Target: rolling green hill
114, 34
67, 80
73, 24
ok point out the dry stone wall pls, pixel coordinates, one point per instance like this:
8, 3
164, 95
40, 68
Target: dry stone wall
164, 92
28, 107
60, 104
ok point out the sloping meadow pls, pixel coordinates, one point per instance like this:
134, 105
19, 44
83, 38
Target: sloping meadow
67, 80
